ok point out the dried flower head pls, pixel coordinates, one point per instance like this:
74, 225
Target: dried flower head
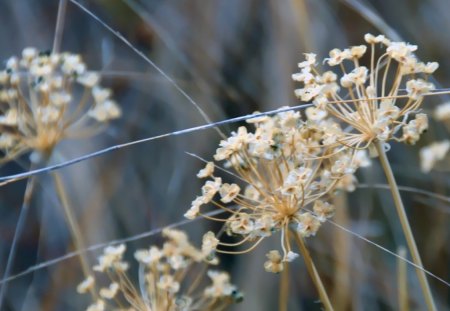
171, 278
48, 97
287, 164
433, 153
274, 263
369, 99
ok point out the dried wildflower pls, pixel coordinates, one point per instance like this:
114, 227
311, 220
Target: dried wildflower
413, 129
168, 284
376, 103
109, 292
323, 210
229, 192
209, 244
291, 256
221, 286
194, 211
307, 224
111, 259
48, 97
99, 305
170, 275
375, 109
207, 171
286, 167
275, 262
86, 285
442, 112
148, 257
433, 153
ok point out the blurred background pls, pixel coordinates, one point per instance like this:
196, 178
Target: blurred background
232, 57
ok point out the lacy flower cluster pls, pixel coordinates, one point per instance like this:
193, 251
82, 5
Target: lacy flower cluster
47, 97
171, 278
380, 101
289, 167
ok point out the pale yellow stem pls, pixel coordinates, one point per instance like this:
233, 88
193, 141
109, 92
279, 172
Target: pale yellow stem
74, 228
284, 288
342, 288
313, 273
406, 227
402, 280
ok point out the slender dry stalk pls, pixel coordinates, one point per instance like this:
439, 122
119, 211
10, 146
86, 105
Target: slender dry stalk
405, 226
284, 289
31, 183
300, 9
74, 228
59, 26
341, 246
402, 281
313, 272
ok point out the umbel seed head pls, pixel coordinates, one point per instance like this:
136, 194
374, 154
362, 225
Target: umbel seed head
380, 100
46, 98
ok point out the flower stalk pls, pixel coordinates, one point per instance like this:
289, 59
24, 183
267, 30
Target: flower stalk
313, 273
284, 289
29, 189
78, 239
405, 226
402, 280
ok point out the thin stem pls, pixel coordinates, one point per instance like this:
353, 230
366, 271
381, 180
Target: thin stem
313, 272
59, 26
73, 226
151, 63
402, 281
194, 285
284, 288
341, 246
301, 9
405, 226
31, 183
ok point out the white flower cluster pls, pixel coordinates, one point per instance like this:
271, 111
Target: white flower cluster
166, 273
47, 97
290, 166
368, 98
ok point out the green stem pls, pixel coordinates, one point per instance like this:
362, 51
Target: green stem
313, 273
406, 227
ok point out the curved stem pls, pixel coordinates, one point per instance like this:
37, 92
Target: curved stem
313, 272
405, 226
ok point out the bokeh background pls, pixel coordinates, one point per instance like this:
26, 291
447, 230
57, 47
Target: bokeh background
232, 57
